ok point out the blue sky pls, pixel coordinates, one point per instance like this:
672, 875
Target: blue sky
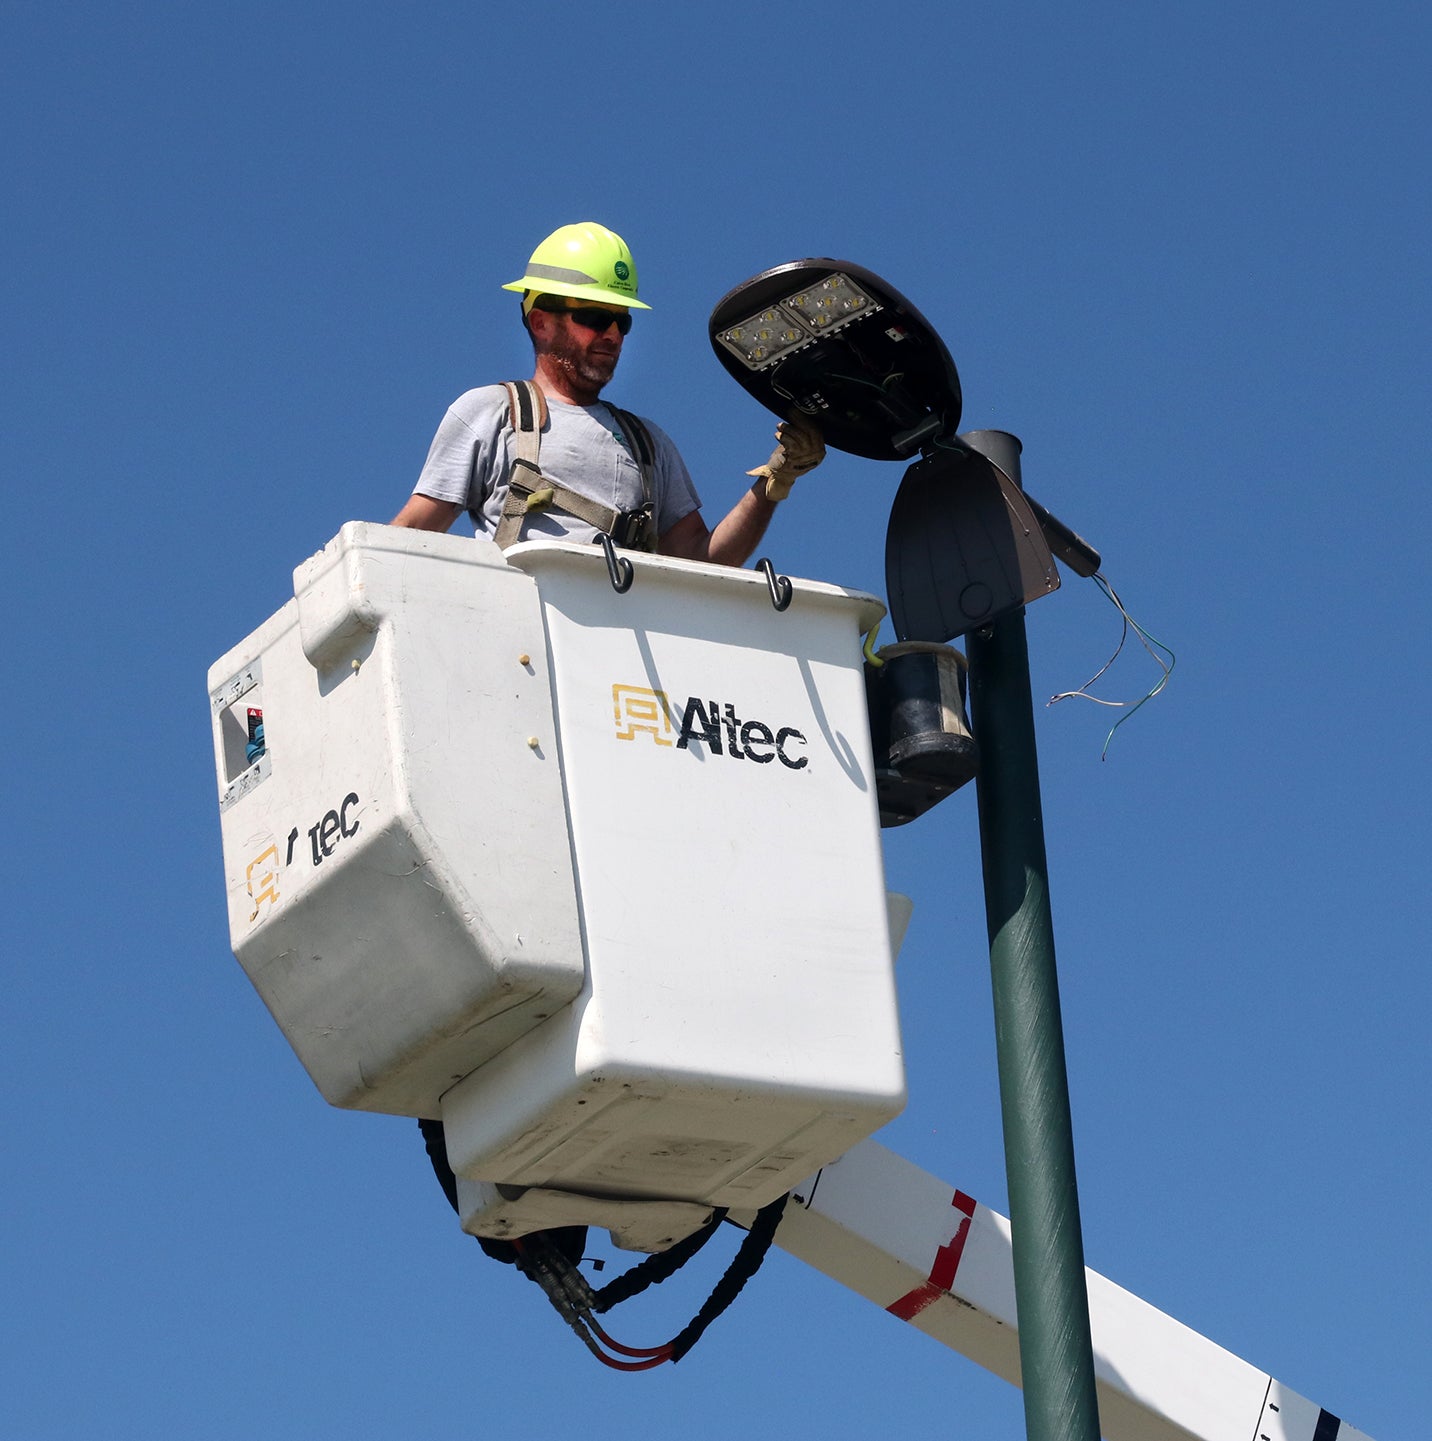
249, 257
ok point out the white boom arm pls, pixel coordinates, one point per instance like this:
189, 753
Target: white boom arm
933, 1256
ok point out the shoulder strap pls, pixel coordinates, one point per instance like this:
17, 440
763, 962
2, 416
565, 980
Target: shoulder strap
639, 443
527, 414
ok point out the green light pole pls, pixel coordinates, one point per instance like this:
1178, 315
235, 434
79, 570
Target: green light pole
1055, 1349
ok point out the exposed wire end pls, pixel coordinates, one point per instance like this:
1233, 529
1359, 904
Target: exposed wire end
1149, 643
868, 648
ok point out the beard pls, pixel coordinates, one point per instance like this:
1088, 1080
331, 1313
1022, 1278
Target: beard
585, 372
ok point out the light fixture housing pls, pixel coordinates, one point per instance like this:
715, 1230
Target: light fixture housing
831, 340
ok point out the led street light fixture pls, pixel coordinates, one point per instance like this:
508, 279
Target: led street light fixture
789, 336
819, 309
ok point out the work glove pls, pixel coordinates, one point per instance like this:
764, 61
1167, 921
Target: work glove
799, 449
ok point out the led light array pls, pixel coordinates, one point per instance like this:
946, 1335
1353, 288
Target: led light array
819, 309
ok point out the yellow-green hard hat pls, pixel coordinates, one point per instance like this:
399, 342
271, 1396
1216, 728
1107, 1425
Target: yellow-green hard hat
586, 261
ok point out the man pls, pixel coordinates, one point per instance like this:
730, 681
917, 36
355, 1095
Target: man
578, 293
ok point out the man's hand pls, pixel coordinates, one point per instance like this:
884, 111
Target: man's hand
799, 449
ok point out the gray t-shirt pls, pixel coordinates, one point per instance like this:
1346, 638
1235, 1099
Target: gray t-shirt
582, 448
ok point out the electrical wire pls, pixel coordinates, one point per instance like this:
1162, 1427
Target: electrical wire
1150, 643
894, 378
942, 444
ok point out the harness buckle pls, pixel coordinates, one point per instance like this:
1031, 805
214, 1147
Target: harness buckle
635, 529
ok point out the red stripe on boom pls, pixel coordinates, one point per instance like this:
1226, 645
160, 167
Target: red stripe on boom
942, 1273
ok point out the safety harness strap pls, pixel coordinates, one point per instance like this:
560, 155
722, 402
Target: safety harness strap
638, 443
529, 490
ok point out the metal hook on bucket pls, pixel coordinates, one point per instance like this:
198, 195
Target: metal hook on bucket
780, 585
619, 568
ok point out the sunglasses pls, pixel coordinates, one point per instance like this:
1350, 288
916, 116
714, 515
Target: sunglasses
590, 318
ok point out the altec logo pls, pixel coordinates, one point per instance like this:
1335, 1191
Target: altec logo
640, 711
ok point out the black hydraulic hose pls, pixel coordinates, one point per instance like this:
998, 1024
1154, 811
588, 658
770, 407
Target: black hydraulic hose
572, 1240
745, 1265
655, 1269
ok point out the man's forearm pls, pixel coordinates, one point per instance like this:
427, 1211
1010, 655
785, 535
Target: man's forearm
735, 539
